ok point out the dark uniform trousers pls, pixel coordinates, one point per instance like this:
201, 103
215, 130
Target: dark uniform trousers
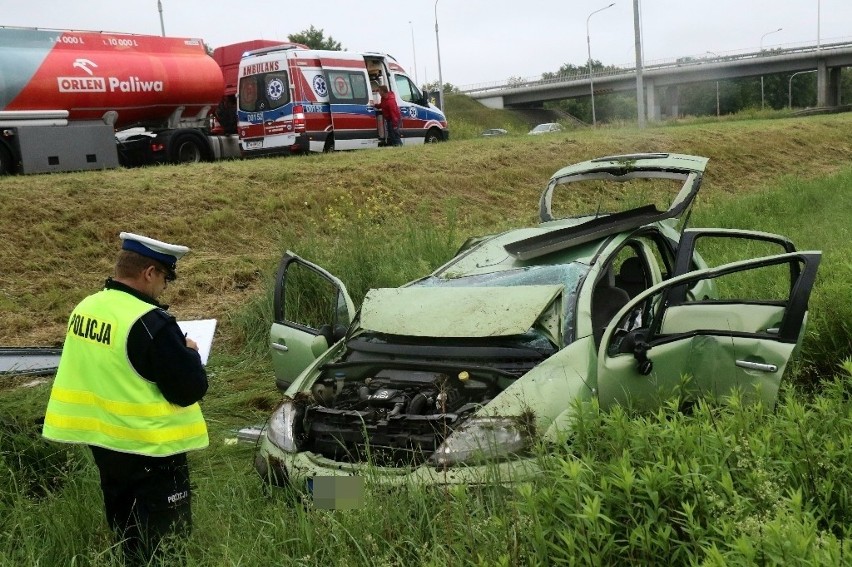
146, 500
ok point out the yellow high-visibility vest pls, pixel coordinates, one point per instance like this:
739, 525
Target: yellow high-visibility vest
99, 399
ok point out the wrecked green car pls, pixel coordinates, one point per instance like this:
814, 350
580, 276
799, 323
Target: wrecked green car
451, 378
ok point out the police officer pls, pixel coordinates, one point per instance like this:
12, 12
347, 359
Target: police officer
128, 386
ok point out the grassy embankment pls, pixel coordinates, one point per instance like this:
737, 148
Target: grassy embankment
728, 485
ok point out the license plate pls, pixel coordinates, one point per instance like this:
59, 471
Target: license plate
336, 492
254, 144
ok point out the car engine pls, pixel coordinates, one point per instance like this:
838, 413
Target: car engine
391, 417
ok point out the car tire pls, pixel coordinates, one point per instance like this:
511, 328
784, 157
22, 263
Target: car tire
433, 136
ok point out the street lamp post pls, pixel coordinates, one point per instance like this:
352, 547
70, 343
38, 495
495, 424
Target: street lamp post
761, 51
589, 47
790, 86
413, 52
438, 45
717, 86
162, 26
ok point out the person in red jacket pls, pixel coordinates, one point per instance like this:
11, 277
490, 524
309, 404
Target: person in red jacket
392, 116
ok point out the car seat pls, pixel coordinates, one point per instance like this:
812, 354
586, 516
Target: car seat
631, 277
607, 300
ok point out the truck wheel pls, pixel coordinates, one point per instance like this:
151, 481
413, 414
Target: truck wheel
187, 149
6, 166
433, 136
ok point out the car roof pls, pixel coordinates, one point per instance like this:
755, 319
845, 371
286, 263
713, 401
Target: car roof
686, 168
621, 164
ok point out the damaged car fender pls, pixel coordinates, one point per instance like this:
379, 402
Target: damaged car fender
545, 397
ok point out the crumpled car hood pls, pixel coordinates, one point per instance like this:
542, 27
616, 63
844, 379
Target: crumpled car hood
456, 312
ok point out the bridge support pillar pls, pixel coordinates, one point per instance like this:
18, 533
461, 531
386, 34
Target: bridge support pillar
651, 106
828, 84
669, 101
822, 83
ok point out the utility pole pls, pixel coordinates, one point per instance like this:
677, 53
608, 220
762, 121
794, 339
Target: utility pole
438, 45
818, 21
413, 53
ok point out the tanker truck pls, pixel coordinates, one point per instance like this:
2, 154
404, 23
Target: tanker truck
74, 100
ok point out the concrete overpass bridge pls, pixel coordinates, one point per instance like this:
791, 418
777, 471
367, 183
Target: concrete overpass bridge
826, 59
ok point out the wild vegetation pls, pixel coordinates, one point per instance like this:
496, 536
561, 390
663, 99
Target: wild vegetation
726, 485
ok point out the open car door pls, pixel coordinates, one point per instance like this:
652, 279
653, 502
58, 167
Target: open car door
690, 347
311, 311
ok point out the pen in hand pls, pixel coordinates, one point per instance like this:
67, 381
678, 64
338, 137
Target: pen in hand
190, 343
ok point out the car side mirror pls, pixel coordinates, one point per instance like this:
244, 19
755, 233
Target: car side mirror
323, 340
339, 333
644, 365
319, 345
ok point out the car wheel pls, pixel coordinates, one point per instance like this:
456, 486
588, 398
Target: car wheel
187, 149
433, 136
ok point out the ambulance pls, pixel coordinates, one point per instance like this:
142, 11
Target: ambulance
296, 100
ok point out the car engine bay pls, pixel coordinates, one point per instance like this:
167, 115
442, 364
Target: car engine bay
395, 411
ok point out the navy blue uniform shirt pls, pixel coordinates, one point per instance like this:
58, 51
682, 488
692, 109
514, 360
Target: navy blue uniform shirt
156, 348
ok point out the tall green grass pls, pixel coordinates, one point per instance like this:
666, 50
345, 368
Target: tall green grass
727, 485
362, 255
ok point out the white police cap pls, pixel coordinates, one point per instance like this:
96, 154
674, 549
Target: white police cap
163, 252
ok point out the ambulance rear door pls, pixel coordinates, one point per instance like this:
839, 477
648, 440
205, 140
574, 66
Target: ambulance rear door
265, 106
353, 117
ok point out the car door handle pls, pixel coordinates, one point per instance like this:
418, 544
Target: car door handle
278, 346
762, 367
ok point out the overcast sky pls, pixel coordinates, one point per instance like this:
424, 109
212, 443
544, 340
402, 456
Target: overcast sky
481, 41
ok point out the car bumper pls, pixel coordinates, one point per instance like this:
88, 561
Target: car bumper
295, 470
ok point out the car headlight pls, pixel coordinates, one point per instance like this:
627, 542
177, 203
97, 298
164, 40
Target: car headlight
481, 439
282, 428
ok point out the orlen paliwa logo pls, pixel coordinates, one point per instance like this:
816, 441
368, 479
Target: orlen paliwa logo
94, 84
81, 84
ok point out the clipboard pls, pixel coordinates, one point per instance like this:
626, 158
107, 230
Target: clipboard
201, 331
